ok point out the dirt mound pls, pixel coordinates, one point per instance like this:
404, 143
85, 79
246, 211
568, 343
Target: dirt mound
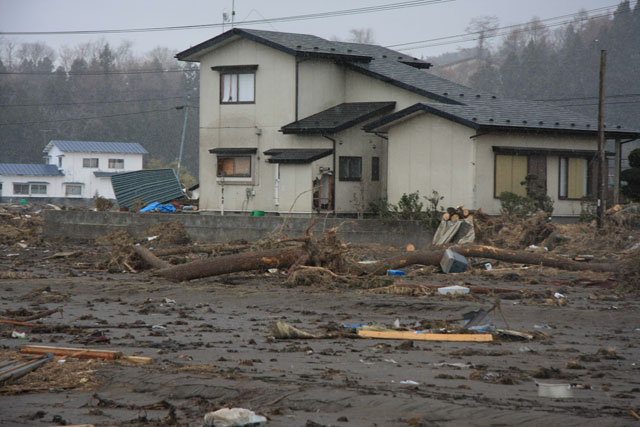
16, 227
511, 232
169, 233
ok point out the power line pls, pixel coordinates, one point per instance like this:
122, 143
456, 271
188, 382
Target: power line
101, 73
331, 14
90, 118
57, 104
466, 37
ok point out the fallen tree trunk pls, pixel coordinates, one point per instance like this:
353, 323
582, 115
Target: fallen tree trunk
260, 260
433, 257
149, 257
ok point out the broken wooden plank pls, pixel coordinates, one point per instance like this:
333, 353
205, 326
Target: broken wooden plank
403, 335
19, 323
138, 359
81, 353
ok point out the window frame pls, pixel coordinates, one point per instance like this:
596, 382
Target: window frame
31, 187
375, 169
237, 73
87, 162
587, 178
496, 195
70, 185
112, 162
222, 157
344, 174
21, 184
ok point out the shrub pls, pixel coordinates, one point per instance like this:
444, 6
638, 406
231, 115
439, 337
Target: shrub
513, 204
410, 208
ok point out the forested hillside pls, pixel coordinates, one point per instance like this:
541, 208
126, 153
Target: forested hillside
95, 92
561, 64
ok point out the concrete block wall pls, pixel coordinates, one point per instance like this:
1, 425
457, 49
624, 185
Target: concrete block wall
206, 228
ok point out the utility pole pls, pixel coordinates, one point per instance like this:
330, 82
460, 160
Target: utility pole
184, 129
601, 142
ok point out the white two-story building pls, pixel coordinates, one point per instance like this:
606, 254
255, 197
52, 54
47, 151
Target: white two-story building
73, 171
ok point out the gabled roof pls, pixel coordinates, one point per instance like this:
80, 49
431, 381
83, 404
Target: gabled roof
458, 102
97, 147
148, 185
494, 113
291, 43
297, 155
338, 118
31, 169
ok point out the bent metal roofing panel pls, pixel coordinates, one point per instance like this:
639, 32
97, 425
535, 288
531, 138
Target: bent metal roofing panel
148, 185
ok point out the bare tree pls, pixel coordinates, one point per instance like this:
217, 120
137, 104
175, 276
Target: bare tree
361, 35
485, 27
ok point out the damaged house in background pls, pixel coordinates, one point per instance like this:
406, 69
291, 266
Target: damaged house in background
296, 122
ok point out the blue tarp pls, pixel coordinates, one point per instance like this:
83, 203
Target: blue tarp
157, 207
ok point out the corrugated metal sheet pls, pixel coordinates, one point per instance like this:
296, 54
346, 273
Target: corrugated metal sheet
98, 147
38, 169
149, 185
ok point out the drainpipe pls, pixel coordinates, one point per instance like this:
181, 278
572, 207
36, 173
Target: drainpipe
222, 197
276, 187
335, 172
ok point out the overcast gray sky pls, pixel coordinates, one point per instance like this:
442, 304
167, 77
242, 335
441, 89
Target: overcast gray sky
389, 27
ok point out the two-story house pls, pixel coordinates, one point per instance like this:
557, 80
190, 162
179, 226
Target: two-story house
89, 165
297, 123
74, 171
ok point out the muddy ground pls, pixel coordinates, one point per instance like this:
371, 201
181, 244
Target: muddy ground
213, 347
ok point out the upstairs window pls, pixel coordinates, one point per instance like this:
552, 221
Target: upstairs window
116, 163
237, 88
90, 163
350, 168
234, 166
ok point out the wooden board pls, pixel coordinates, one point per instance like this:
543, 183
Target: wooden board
402, 335
80, 353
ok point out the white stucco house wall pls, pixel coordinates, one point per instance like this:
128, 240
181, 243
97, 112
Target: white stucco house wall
88, 165
74, 171
296, 123
29, 181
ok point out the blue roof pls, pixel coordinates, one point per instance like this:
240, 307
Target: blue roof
97, 147
29, 169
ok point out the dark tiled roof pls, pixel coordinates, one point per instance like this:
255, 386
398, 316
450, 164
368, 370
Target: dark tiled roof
297, 155
291, 43
97, 147
31, 169
459, 102
507, 115
338, 118
232, 151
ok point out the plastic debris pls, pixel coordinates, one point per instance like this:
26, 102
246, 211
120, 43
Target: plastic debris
409, 382
554, 391
395, 273
19, 335
453, 290
283, 330
234, 417
453, 262
558, 295
159, 327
